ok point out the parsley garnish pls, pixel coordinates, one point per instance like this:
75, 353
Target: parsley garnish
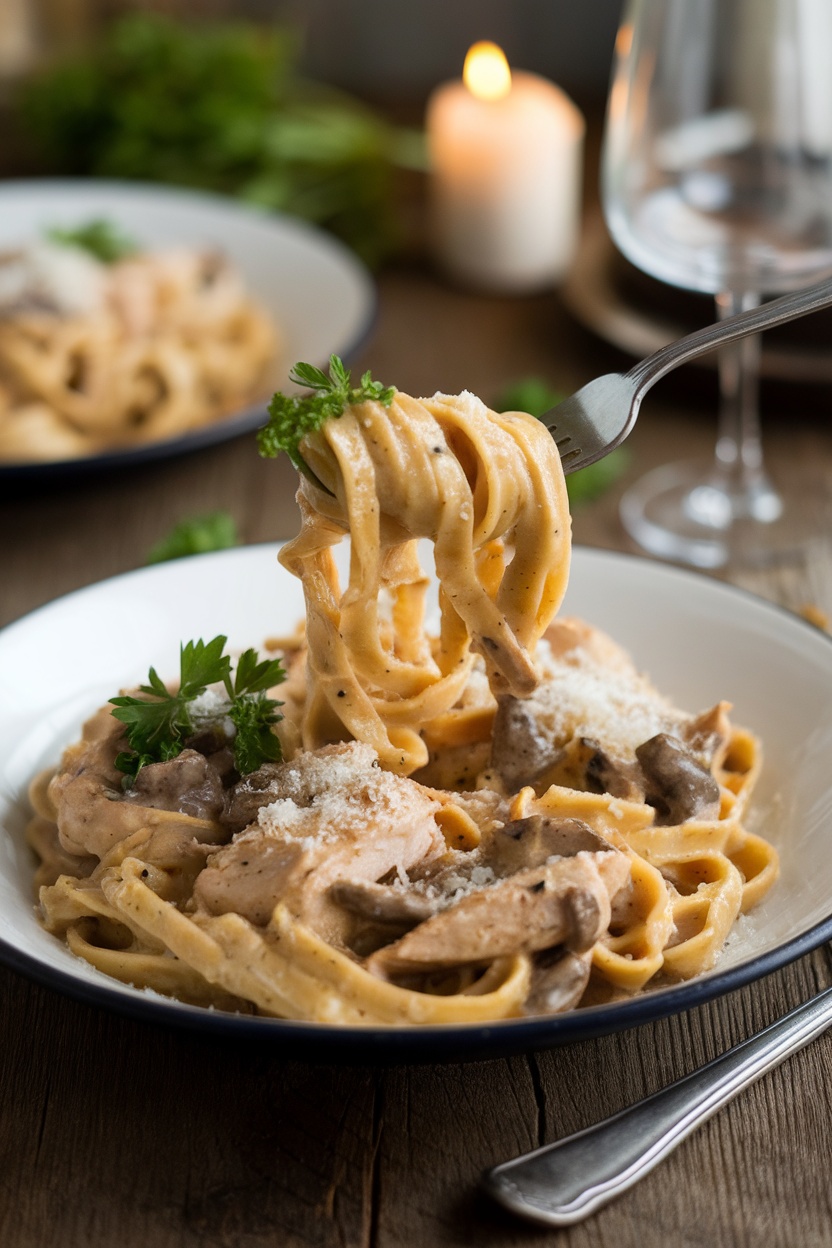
292, 416
159, 724
100, 238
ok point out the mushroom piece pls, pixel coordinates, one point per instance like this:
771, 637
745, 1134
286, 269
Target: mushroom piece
244, 799
612, 775
520, 752
563, 901
676, 783
382, 903
559, 980
531, 841
189, 784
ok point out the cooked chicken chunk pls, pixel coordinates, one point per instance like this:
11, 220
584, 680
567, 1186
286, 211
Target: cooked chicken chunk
334, 814
93, 811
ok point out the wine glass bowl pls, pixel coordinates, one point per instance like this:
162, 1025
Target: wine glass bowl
717, 177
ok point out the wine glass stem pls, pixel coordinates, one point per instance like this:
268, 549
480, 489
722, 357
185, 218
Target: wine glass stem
739, 474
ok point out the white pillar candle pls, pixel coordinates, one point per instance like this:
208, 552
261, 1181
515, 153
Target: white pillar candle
506, 154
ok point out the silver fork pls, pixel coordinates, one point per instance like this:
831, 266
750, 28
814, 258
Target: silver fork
598, 417
564, 1182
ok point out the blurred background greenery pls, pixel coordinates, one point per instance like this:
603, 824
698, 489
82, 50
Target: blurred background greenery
312, 108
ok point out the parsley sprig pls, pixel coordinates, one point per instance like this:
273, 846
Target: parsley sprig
101, 238
159, 724
292, 416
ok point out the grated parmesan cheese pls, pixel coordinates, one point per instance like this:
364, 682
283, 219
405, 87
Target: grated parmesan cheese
580, 696
331, 793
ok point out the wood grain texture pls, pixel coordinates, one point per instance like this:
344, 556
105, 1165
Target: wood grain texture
117, 1134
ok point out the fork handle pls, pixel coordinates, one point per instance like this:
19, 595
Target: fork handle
564, 1182
774, 312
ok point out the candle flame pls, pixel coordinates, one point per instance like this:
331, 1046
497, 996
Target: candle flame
486, 73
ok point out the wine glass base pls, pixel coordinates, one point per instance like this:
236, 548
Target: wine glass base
681, 513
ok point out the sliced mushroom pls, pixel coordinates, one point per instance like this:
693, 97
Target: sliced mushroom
563, 902
244, 800
380, 903
676, 783
189, 784
519, 750
615, 776
532, 841
559, 980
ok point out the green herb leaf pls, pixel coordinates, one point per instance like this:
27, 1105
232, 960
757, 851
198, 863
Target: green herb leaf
253, 676
202, 664
308, 375
100, 238
159, 724
536, 396
292, 417
196, 536
254, 743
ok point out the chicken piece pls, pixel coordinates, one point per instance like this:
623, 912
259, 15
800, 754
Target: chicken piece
677, 784
334, 814
565, 901
251, 875
92, 811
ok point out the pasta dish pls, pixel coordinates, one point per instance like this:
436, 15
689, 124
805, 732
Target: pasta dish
96, 356
484, 815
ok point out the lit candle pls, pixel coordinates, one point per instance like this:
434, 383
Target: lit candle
506, 158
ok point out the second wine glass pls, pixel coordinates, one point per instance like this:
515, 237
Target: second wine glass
717, 177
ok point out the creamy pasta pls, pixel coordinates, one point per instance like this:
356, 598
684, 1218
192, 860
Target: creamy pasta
98, 356
495, 817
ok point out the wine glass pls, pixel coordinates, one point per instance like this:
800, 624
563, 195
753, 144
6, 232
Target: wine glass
717, 177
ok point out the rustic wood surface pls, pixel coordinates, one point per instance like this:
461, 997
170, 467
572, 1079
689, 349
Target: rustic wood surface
118, 1134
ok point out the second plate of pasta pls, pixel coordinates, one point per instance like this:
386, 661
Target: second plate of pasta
699, 640
138, 322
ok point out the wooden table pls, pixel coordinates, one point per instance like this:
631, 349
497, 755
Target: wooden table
116, 1134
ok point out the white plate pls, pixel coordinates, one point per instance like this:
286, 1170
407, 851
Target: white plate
320, 295
699, 640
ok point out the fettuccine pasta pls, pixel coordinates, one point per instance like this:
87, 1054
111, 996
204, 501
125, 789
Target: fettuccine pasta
493, 817
94, 356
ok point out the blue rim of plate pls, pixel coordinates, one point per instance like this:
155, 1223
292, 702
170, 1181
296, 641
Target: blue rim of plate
472, 1042
319, 1042
251, 417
